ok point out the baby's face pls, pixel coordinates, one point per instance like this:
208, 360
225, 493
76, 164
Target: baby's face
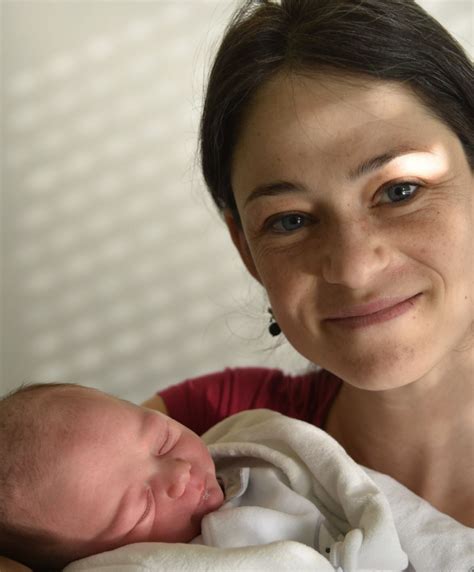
121, 474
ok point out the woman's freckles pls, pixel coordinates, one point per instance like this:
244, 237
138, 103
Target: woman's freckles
355, 239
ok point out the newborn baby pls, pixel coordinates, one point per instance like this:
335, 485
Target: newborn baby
83, 472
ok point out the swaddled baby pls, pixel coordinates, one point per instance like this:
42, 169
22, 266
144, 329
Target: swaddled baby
83, 472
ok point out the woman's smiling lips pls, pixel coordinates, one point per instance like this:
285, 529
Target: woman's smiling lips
374, 312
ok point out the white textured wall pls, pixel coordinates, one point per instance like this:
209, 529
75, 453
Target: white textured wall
116, 271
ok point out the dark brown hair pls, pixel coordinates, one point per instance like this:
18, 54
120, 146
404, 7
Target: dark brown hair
384, 39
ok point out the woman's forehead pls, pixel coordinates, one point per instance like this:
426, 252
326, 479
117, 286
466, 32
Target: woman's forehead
330, 119
328, 107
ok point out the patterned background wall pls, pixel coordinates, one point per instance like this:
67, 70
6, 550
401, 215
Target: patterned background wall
116, 270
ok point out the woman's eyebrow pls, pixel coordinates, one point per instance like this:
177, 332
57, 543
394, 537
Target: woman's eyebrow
281, 187
379, 161
271, 189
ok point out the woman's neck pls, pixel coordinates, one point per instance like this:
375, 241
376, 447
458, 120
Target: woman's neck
417, 434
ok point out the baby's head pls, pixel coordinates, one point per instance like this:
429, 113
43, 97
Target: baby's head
82, 472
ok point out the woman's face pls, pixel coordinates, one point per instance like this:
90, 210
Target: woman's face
357, 218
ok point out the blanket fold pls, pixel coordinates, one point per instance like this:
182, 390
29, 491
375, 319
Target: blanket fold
318, 469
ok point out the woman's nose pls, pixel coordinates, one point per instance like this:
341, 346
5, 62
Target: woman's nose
176, 474
354, 255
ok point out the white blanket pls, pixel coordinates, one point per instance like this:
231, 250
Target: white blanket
356, 513
433, 541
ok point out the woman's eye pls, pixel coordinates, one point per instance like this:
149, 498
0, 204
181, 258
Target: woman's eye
288, 223
399, 192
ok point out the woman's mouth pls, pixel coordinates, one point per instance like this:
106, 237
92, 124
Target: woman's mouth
374, 312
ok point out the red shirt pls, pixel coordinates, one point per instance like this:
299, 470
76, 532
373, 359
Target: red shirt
202, 402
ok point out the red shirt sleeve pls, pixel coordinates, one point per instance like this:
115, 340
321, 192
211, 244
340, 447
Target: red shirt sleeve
202, 402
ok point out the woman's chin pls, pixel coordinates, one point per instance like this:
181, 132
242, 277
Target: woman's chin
385, 374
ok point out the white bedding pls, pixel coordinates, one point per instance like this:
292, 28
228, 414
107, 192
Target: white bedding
433, 541
376, 531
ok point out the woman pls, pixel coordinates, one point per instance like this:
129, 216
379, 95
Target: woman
337, 139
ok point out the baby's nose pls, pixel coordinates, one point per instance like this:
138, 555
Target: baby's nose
179, 476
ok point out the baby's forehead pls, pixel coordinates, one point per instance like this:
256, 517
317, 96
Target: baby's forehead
73, 391
65, 428
81, 399
76, 413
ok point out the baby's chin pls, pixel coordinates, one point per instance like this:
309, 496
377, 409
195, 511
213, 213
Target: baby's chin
212, 498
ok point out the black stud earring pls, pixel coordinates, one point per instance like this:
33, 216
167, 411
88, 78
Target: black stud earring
273, 327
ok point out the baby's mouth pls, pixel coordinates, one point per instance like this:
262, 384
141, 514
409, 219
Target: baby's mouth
205, 494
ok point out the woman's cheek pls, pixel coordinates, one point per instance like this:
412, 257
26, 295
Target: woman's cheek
283, 249
272, 263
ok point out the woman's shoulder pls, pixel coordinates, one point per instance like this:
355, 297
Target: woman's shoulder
313, 378
252, 383
312, 381
203, 401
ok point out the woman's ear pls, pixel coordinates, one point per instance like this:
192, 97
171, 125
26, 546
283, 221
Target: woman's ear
238, 238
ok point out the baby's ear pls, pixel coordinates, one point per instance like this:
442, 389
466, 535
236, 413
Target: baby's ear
240, 241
